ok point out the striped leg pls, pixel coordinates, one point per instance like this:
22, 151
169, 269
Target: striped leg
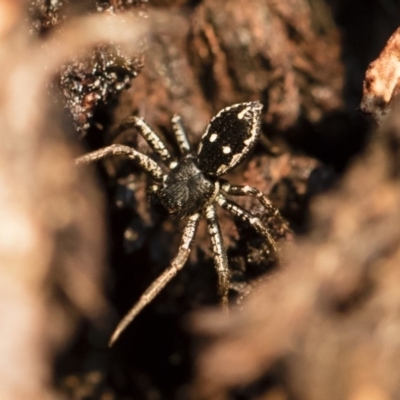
241, 213
149, 135
146, 163
246, 190
177, 264
180, 134
220, 257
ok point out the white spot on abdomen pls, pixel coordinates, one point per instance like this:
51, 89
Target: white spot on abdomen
242, 113
213, 137
226, 149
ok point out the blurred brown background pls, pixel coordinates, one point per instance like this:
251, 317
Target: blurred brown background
78, 246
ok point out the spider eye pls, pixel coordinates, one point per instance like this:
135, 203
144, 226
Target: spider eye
230, 135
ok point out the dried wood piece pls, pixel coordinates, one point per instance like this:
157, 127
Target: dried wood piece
381, 83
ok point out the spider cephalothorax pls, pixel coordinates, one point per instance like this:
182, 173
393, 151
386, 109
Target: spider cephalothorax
186, 190
192, 187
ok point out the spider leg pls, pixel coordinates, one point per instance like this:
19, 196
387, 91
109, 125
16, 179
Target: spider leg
236, 190
241, 213
180, 134
149, 135
220, 257
177, 264
146, 163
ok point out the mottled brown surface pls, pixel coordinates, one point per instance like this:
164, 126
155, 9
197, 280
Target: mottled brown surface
97, 75
175, 80
199, 57
290, 68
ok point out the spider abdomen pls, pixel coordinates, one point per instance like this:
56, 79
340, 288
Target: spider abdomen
230, 135
186, 190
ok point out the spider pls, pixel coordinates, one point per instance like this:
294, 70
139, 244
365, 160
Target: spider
192, 188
